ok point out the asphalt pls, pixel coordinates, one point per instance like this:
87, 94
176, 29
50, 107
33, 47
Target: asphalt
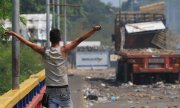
128, 96
76, 83
124, 104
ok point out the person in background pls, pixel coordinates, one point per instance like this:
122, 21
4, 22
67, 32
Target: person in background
57, 87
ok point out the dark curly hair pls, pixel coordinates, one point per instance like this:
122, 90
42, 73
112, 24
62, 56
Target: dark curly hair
55, 36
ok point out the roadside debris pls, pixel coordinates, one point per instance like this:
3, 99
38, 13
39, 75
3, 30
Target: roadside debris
102, 88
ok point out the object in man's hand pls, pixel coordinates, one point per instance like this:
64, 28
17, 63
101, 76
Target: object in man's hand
97, 28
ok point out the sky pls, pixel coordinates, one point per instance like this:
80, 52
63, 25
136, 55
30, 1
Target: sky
113, 2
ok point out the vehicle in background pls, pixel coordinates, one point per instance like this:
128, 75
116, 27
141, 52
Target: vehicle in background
140, 43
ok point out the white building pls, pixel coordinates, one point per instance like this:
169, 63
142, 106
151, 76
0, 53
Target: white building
34, 28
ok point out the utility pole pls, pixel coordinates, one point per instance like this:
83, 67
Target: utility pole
132, 5
65, 26
15, 47
47, 22
65, 16
119, 6
65, 19
54, 18
58, 15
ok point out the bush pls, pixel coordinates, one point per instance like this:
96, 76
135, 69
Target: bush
30, 63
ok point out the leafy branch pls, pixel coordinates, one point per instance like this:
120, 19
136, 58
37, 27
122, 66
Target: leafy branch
3, 37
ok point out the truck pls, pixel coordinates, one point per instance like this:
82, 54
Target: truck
140, 43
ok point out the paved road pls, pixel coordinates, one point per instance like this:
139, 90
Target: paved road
125, 104
129, 97
76, 83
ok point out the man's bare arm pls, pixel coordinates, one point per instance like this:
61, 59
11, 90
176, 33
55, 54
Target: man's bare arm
34, 46
67, 48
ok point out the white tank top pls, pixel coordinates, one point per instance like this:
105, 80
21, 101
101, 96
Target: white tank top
55, 69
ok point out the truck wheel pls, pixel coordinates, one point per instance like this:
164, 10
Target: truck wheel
172, 78
119, 71
127, 72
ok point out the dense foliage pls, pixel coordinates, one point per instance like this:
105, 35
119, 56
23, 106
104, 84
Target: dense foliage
5, 68
94, 12
5, 13
30, 63
29, 60
5, 9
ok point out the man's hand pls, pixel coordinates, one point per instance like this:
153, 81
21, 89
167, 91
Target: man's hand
97, 28
10, 33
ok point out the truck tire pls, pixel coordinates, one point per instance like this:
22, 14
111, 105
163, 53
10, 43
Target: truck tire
119, 71
123, 71
127, 72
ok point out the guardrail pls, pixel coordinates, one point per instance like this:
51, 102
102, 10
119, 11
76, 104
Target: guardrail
28, 95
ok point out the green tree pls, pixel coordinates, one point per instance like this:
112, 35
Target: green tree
30, 63
39, 6
5, 68
96, 12
5, 13
32, 6
5, 9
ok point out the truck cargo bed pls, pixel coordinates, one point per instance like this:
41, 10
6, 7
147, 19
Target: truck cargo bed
149, 52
